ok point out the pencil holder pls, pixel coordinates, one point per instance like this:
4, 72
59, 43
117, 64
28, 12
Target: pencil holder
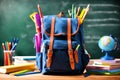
8, 57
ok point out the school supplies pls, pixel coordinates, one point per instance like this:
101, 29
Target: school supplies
19, 72
75, 12
107, 67
105, 72
78, 11
86, 12
9, 50
14, 68
24, 59
62, 47
27, 73
58, 41
82, 13
32, 16
37, 19
107, 62
40, 11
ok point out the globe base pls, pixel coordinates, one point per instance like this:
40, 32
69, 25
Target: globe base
107, 57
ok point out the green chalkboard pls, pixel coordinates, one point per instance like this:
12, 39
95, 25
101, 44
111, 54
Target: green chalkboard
102, 19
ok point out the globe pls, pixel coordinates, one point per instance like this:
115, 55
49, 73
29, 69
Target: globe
106, 44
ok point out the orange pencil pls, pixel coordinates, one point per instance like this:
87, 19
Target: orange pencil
9, 45
9, 53
5, 56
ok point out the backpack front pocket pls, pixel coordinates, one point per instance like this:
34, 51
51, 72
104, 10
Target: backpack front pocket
60, 57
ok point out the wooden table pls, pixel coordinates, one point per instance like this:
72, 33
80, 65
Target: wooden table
56, 77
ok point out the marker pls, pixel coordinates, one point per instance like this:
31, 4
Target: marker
37, 22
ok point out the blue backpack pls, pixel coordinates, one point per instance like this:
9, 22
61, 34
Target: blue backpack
62, 49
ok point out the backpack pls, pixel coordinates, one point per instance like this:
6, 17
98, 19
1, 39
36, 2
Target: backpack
62, 47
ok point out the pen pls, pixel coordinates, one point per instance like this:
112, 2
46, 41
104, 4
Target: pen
14, 46
15, 41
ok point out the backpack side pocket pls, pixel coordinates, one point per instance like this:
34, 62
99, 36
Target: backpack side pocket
39, 61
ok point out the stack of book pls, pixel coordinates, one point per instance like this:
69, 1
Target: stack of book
107, 67
24, 59
23, 65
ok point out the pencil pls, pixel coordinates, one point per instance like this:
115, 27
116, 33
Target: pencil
40, 11
86, 11
78, 10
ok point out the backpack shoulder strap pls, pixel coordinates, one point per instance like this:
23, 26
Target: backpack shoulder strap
50, 52
70, 50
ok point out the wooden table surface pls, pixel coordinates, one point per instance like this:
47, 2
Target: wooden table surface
58, 77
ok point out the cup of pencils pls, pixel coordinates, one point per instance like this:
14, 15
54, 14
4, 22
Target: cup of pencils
8, 57
9, 51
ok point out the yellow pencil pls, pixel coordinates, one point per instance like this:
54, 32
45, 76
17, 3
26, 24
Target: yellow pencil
86, 11
20, 72
82, 13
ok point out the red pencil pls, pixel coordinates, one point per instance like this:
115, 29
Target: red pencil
40, 11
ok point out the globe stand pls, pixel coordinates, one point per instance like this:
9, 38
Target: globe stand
107, 57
